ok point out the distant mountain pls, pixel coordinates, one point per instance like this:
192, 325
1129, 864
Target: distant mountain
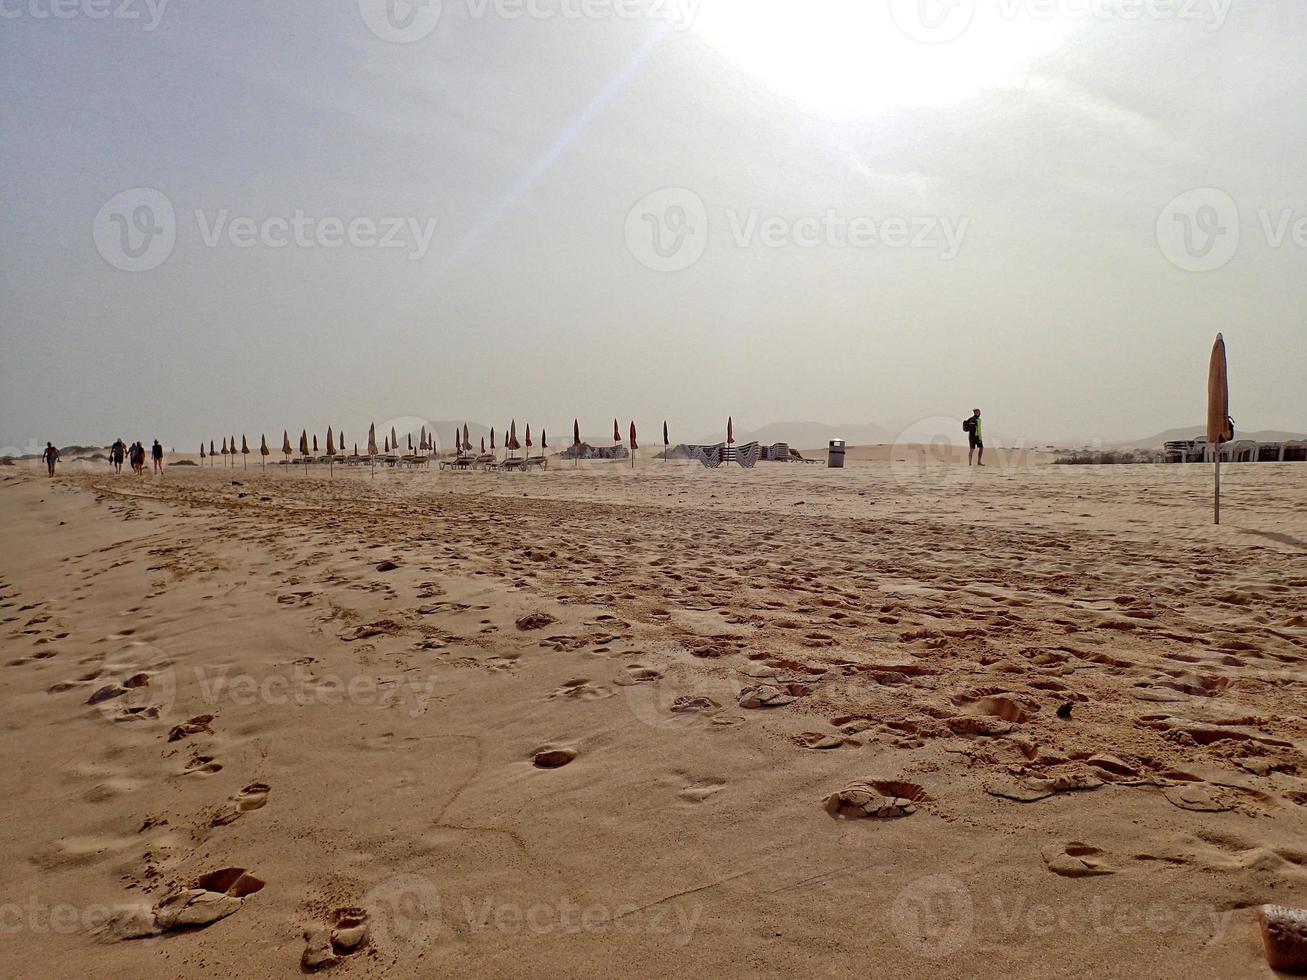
1199, 431
807, 435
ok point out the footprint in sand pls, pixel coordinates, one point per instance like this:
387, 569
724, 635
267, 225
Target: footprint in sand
818, 740
252, 797
199, 725
1075, 860
637, 674
580, 690
878, 798
553, 756
346, 932
202, 765
209, 898
701, 790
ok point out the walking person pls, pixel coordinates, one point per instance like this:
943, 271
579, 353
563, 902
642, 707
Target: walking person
975, 438
116, 454
156, 453
51, 456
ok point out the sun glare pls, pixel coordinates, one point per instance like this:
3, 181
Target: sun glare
855, 57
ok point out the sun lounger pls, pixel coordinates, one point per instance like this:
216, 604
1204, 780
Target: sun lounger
457, 463
537, 461
512, 463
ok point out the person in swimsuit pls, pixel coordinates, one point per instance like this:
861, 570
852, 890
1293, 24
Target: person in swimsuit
156, 453
116, 455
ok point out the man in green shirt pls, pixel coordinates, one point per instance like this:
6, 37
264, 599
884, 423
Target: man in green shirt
975, 438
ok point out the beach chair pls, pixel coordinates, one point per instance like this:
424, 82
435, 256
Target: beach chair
537, 462
512, 464
710, 456
460, 462
1294, 451
1240, 451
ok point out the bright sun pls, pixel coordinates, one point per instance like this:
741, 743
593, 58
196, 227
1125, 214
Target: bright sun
855, 57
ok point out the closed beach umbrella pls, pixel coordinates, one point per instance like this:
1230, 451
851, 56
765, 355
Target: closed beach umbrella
576, 442
544, 442
264, 451
665, 442
410, 442
315, 444
730, 430
212, 452
617, 433
233, 450
483, 445
394, 439
492, 438
385, 444
1220, 427
467, 440
528, 437
203, 454
372, 447
634, 446
245, 452
285, 443
224, 450
331, 452
513, 444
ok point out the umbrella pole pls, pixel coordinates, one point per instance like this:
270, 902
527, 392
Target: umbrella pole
1217, 513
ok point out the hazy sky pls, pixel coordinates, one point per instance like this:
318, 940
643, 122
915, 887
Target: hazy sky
835, 210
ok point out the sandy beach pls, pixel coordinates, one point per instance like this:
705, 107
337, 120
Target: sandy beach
597, 721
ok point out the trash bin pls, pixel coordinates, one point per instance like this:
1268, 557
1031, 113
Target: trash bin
835, 454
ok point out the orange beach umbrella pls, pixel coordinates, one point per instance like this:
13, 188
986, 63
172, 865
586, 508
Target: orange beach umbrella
1220, 427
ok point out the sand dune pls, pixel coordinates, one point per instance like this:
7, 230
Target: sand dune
904, 718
